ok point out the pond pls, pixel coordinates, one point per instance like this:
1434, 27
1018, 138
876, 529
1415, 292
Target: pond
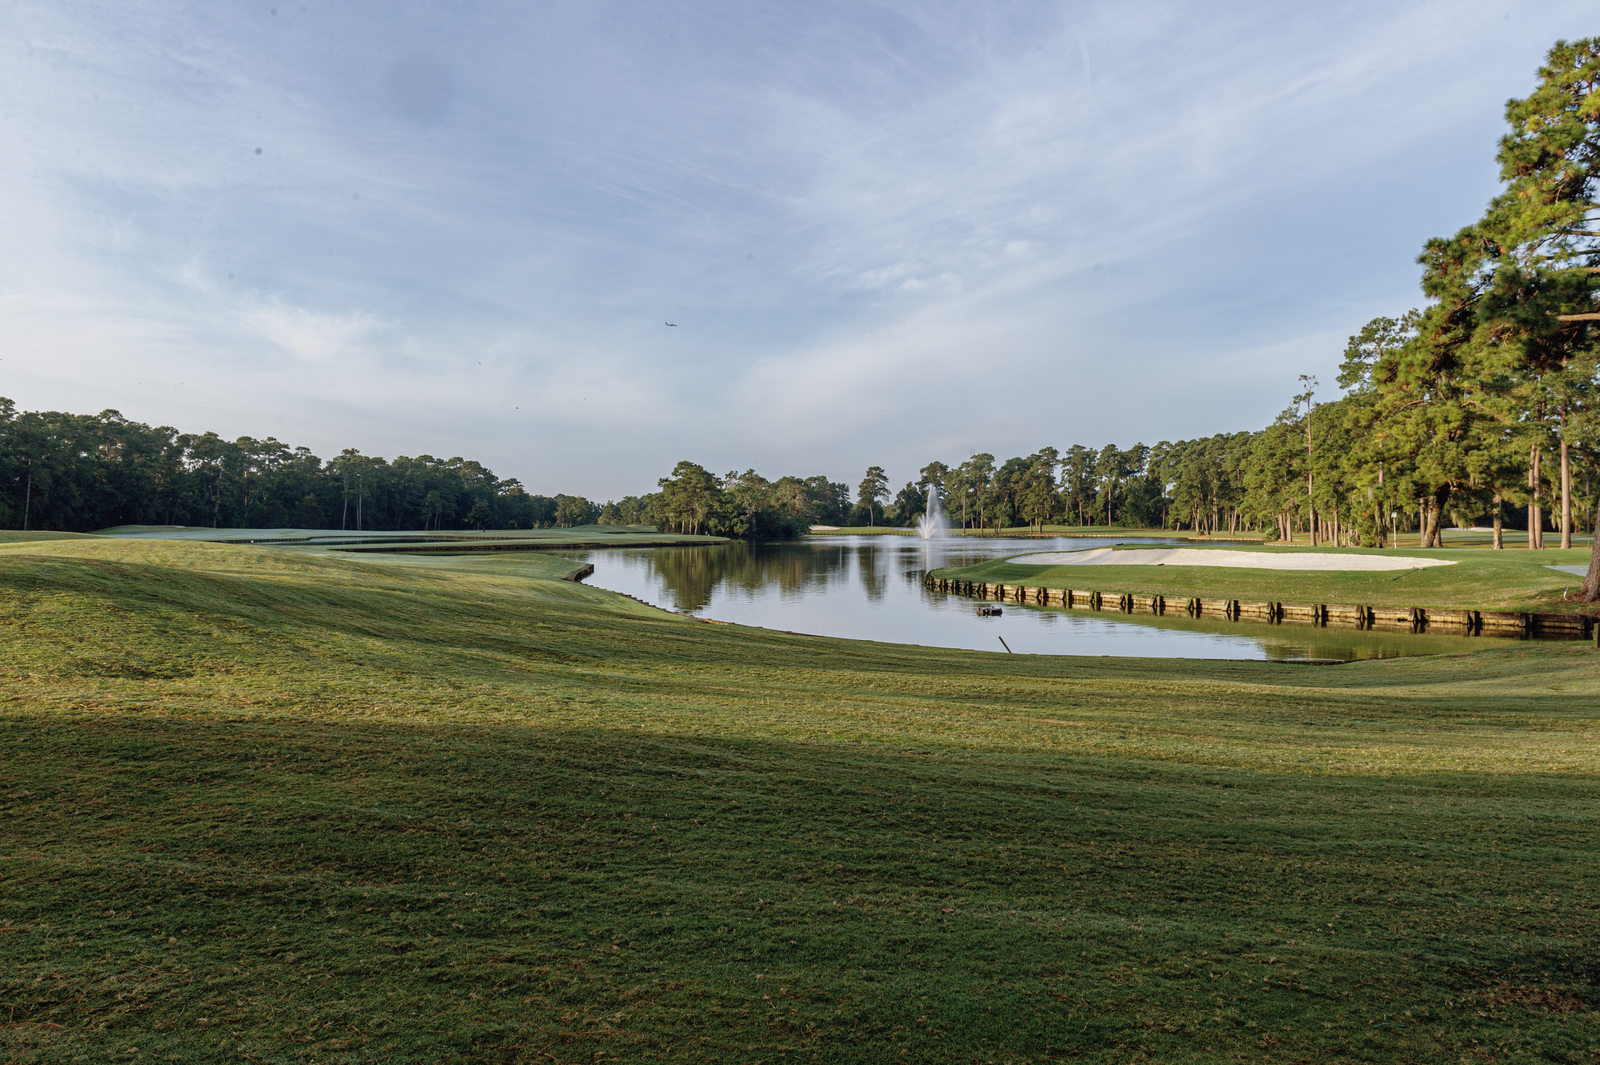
870, 588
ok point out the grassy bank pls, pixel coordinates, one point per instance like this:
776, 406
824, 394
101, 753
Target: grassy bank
1514, 539
1024, 531
262, 805
422, 542
1479, 580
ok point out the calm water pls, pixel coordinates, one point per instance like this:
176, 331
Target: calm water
870, 588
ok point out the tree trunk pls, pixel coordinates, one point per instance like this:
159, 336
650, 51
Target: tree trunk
1535, 511
1499, 531
1590, 592
27, 500
1533, 460
1566, 494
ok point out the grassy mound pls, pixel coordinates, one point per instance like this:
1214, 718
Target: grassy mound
274, 807
1479, 580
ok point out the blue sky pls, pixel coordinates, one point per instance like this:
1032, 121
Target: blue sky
886, 232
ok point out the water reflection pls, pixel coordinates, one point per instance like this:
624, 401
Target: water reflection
691, 576
870, 588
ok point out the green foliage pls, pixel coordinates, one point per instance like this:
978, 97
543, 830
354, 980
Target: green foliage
743, 505
910, 504
873, 489
81, 472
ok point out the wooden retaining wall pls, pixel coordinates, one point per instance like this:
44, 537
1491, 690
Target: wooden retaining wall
1413, 619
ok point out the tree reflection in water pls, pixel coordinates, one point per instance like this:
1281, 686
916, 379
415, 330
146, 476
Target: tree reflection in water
691, 574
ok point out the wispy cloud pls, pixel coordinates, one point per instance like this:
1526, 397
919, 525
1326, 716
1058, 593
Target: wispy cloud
465, 229
314, 337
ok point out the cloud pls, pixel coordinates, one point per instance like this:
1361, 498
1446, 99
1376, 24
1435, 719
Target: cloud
870, 221
316, 337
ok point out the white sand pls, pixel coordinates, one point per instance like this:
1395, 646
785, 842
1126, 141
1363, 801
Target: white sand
1222, 557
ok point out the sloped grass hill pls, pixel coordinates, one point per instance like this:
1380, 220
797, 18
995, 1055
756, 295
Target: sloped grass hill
273, 807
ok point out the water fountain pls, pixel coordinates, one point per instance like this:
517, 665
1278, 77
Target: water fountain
931, 525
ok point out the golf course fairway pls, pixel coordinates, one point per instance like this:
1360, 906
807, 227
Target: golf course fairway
264, 805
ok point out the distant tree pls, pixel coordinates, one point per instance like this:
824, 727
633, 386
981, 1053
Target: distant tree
970, 483
689, 497
631, 511
610, 514
1078, 481
308, 512
830, 500
790, 496
1112, 467
432, 507
874, 488
1037, 500
1002, 502
910, 504
480, 515
745, 502
572, 511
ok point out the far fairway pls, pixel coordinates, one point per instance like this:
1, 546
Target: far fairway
1476, 579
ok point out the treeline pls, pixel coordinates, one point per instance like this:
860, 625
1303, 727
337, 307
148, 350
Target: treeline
1283, 481
80, 473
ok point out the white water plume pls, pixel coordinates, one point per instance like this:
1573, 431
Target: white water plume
931, 525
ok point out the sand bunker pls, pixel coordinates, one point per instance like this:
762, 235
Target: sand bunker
1221, 557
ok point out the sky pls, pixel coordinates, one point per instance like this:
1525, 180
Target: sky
883, 233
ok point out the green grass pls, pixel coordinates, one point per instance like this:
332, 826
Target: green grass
1479, 580
13, 536
266, 806
444, 541
1028, 531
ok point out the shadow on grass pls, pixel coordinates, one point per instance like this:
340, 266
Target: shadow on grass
277, 889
